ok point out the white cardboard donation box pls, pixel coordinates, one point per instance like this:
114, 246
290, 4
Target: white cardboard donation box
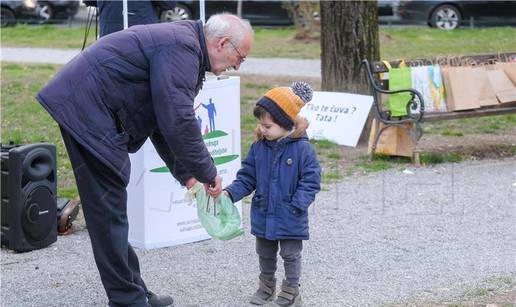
158, 212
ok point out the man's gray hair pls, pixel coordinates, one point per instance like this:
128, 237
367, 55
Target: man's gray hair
221, 25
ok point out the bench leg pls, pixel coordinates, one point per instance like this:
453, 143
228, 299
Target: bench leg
376, 128
416, 158
377, 133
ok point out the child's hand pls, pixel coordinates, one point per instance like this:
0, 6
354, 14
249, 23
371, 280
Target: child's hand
225, 193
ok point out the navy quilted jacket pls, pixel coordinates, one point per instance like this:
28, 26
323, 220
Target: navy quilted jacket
133, 84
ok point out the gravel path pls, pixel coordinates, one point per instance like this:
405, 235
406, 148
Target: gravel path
377, 239
272, 67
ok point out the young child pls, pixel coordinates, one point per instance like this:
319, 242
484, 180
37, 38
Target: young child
282, 168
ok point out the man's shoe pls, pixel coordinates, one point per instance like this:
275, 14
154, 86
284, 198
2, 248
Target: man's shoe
155, 300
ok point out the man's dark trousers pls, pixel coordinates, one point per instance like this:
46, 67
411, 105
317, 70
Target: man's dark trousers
104, 203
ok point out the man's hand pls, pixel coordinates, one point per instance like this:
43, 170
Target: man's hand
214, 188
190, 183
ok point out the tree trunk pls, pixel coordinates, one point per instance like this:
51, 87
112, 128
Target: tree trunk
349, 34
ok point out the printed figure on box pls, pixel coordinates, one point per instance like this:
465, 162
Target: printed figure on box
211, 113
282, 170
210, 107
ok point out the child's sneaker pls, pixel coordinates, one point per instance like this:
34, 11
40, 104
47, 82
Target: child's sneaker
289, 296
266, 291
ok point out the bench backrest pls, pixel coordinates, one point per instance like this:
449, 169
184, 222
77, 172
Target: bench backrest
460, 60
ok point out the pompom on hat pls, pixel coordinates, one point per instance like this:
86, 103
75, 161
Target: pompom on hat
284, 103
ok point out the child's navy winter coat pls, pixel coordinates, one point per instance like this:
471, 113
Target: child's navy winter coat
286, 177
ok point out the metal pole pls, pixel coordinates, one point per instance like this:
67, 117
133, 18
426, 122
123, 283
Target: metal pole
239, 8
202, 11
125, 14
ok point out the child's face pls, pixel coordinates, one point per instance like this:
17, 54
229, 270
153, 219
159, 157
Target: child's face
270, 130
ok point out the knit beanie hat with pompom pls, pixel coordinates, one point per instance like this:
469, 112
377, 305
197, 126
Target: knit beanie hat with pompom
284, 103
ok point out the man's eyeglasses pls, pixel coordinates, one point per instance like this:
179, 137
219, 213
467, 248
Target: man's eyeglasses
241, 58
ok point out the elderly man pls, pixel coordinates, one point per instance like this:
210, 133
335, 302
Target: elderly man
130, 85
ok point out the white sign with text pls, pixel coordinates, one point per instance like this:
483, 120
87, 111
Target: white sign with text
337, 117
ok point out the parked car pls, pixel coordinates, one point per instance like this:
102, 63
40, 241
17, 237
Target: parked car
258, 12
452, 14
58, 9
386, 7
17, 10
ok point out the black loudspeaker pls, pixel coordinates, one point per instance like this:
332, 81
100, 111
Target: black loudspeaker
29, 198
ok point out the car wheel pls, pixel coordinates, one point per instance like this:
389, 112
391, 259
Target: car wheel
7, 18
180, 12
446, 17
46, 11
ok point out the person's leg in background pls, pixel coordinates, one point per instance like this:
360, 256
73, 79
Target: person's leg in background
104, 203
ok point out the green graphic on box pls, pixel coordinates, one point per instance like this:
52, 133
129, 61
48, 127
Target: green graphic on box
215, 143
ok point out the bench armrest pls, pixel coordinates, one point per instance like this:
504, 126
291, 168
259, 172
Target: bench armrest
412, 103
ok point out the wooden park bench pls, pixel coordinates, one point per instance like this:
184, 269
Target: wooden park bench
413, 121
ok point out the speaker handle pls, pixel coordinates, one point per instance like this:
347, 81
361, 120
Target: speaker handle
38, 164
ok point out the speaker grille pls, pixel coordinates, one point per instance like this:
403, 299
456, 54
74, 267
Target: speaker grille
39, 214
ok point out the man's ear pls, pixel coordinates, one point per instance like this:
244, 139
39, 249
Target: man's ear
221, 42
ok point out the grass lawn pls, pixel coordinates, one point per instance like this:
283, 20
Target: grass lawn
25, 121
460, 127
395, 43
412, 43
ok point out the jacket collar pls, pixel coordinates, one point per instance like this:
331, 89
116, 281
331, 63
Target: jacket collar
206, 59
286, 140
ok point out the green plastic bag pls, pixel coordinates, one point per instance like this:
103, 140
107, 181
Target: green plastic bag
399, 79
220, 219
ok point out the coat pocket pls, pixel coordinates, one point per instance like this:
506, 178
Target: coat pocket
292, 222
124, 122
120, 139
287, 198
291, 210
287, 202
259, 203
258, 209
